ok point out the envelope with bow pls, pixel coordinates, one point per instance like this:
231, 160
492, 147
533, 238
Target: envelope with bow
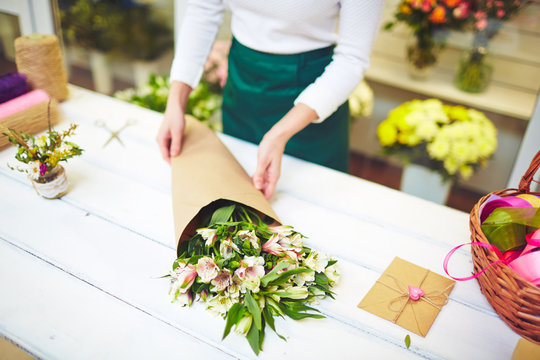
408, 295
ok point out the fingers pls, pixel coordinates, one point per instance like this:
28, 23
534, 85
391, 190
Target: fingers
177, 132
268, 171
164, 140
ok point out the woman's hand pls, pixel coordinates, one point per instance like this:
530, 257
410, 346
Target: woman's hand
171, 132
273, 144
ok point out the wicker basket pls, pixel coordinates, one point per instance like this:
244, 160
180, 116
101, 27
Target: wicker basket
516, 300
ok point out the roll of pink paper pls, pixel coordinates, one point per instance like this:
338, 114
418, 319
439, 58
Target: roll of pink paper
527, 265
23, 102
500, 202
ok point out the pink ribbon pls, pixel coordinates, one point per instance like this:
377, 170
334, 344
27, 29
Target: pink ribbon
525, 263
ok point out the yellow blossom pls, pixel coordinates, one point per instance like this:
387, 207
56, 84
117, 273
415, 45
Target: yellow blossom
387, 133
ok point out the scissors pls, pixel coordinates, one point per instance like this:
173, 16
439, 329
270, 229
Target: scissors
115, 134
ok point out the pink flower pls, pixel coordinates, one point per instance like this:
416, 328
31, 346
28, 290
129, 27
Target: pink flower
499, 3
500, 13
182, 278
222, 280
480, 15
426, 6
417, 4
42, 169
481, 24
250, 267
272, 246
461, 11
207, 269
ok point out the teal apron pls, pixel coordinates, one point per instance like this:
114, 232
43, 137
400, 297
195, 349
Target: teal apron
261, 89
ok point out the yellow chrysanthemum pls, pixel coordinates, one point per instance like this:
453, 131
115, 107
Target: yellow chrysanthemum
387, 133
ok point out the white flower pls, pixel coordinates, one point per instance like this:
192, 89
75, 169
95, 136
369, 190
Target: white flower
208, 235
182, 278
33, 169
249, 235
226, 248
219, 304
332, 273
65, 148
301, 278
251, 283
207, 269
242, 327
41, 141
294, 292
284, 230
250, 272
222, 280
316, 261
183, 299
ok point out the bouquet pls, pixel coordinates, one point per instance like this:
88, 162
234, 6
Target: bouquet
429, 21
248, 272
361, 101
452, 140
202, 102
486, 18
42, 154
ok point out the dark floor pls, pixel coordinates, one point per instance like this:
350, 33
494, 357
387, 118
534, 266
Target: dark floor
362, 166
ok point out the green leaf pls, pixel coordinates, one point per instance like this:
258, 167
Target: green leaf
253, 339
254, 310
233, 316
407, 341
222, 214
284, 276
272, 274
297, 315
269, 319
321, 279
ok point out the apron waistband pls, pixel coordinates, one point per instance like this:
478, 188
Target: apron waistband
299, 58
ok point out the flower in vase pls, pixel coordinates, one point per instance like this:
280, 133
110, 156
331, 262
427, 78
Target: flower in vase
33, 170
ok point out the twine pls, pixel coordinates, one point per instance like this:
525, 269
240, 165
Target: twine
39, 58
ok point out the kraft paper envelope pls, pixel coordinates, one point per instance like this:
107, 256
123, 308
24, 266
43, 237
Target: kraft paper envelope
389, 296
205, 172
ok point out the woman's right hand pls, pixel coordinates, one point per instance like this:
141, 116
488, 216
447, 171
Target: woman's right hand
171, 132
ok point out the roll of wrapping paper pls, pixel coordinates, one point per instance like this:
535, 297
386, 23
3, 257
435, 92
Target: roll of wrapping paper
28, 113
39, 58
12, 85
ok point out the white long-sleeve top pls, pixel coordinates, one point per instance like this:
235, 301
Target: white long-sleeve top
286, 27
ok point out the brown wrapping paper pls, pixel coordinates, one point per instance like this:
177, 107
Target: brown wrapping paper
206, 172
389, 298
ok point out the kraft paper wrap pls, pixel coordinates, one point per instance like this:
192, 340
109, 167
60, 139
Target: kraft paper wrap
388, 298
205, 172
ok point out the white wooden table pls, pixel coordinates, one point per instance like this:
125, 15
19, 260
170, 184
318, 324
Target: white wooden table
79, 276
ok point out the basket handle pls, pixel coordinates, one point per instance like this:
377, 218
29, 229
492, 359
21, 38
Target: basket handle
525, 183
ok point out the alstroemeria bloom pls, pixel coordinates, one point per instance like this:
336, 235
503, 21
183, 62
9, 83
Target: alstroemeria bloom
294, 292
250, 266
207, 269
182, 278
284, 230
227, 247
332, 273
183, 299
219, 305
272, 246
301, 278
209, 236
251, 236
222, 280
316, 261
242, 327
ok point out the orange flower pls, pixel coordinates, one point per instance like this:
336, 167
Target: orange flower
438, 15
405, 9
452, 3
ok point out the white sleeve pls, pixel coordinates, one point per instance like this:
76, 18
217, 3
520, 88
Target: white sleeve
195, 38
358, 27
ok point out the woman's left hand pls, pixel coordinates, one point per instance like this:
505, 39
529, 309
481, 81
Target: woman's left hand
273, 144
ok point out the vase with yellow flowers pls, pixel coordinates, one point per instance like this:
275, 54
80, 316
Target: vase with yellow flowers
42, 156
429, 21
451, 141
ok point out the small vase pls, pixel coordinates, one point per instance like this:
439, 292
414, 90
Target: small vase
474, 71
52, 185
425, 183
422, 54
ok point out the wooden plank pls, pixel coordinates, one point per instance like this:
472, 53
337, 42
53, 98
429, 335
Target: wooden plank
54, 315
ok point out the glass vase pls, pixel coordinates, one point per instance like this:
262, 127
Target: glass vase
422, 54
52, 185
474, 70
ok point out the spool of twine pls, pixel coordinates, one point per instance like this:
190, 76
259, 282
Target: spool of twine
39, 58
